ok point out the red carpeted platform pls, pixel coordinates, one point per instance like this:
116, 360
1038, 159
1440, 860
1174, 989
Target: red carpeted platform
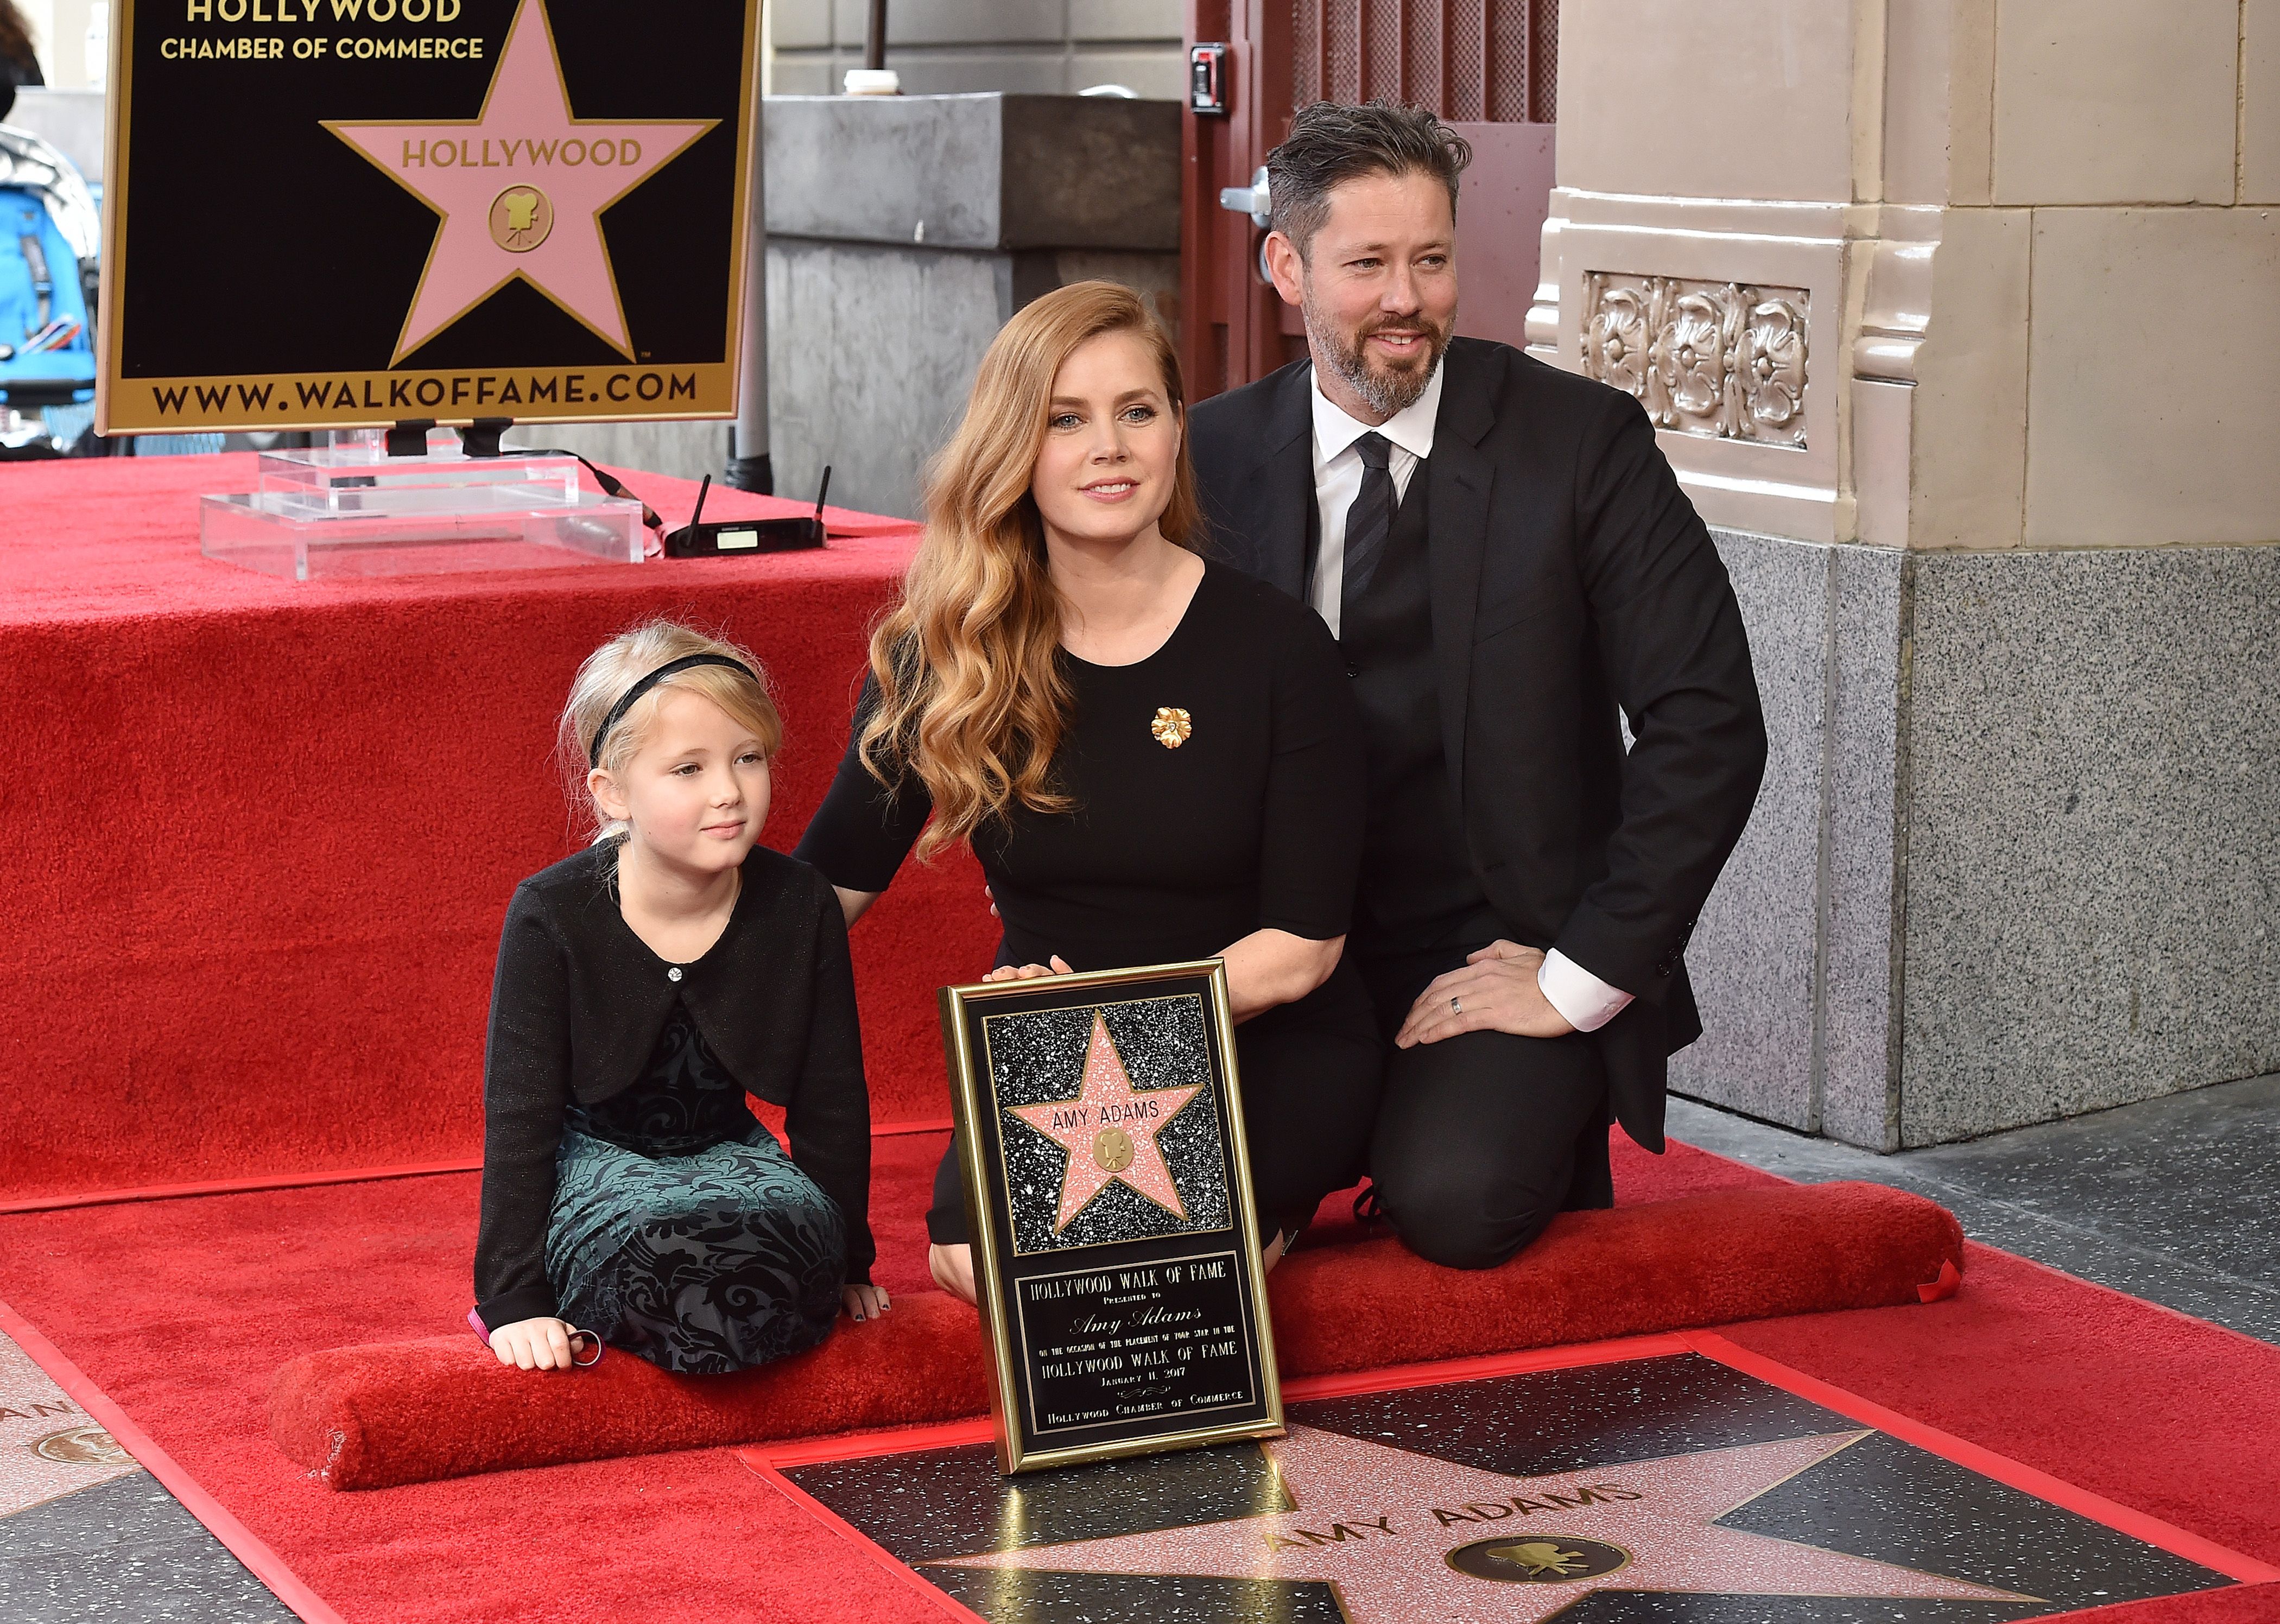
254, 942
183, 1310
272, 828
406, 1413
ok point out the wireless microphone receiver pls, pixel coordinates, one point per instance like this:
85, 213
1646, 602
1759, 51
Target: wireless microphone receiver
727, 537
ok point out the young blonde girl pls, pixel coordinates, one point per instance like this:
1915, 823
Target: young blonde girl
645, 986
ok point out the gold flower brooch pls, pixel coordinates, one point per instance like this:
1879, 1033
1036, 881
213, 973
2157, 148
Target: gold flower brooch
1171, 727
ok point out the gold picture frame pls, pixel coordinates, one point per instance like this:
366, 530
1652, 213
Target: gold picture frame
284, 64
1197, 1368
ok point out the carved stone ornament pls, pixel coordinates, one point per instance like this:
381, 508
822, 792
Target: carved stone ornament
1724, 359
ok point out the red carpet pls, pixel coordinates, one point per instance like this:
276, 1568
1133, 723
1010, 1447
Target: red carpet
380, 1415
184, 1311
277, 963
266, 946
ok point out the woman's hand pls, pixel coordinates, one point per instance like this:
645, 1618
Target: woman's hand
1271, 967
1029, 973
862, 1303
533, 1344
952, 1268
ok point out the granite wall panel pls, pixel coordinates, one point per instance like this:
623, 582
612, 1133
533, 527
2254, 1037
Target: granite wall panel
2014, 858
1752, 957
2092, 815
1863, 872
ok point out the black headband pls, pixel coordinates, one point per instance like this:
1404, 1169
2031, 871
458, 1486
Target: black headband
618, 711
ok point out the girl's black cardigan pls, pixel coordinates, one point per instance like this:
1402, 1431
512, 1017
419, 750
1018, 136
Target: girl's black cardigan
577, 1006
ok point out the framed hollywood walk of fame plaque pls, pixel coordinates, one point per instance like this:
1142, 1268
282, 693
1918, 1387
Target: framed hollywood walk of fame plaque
1109, 1194
343, 212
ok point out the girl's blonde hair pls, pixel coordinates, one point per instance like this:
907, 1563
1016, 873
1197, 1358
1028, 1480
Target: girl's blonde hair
621, 662
971, 698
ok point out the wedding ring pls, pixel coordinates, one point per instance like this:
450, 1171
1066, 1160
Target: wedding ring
1455, 1004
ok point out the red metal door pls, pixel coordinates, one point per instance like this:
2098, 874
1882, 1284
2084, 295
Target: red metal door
1489, 67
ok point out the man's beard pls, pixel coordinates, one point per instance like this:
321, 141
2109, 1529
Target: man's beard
1385, 389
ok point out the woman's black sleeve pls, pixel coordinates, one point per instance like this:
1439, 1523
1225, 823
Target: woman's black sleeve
526, 1089
828, 1116
1316, 785
861, 835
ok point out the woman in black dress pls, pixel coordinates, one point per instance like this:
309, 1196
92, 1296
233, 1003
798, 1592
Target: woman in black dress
1155, 759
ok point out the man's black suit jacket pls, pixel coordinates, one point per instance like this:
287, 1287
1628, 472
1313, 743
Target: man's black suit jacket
1570, 577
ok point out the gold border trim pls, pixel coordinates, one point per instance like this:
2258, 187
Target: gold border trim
117, 195
1014, 1452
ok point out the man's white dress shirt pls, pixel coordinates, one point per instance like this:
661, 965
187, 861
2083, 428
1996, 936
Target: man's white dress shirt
1584, 1001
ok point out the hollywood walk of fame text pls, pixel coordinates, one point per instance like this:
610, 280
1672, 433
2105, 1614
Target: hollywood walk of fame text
1163, 1338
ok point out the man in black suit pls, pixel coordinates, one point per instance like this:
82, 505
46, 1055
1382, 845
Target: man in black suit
1509, 564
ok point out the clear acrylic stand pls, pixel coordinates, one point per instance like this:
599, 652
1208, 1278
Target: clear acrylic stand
349, 509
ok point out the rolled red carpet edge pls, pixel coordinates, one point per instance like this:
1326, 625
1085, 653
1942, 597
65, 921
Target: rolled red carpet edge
379, 1415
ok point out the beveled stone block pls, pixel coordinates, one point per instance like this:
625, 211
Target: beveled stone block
2115, 101
975, 172
2151, 415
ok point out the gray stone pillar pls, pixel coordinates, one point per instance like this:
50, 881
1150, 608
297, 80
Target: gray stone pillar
1956, 316
903, 231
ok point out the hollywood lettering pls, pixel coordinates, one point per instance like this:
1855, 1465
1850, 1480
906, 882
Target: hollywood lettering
567, 153
294, 12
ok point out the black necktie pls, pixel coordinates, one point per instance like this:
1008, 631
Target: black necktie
1369, 521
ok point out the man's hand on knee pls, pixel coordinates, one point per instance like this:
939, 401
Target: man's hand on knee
1496, 991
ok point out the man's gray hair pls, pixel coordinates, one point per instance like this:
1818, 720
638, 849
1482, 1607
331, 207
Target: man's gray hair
1332, 142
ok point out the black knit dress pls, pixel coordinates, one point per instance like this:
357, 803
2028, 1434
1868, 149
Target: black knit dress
1252, 820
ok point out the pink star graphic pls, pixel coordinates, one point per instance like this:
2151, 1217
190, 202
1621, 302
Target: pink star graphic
479, 174
1402, 1536
1109, 1131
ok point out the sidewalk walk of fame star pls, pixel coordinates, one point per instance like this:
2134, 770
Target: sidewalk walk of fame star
1109, 1131
1402, 1537
513, 203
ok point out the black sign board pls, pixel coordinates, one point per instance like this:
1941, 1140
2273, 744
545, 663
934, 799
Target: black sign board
341, 212
1115, 1241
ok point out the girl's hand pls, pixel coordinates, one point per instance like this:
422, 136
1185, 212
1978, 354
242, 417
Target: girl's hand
863, 1302
533, 1344
1026, 972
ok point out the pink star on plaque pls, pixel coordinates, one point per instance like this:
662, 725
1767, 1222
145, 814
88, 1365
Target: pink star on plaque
1406, 1537
1109, 1131
513, 201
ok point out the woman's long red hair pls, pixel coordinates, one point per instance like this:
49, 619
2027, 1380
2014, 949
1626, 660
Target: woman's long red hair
972, 697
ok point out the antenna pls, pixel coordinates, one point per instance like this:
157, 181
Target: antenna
820, 490
698, 516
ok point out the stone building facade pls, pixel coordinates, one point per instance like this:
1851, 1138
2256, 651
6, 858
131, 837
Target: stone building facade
1959, 318
945, 47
